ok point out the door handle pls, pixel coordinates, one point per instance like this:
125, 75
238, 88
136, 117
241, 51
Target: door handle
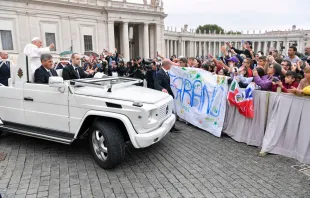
28, 99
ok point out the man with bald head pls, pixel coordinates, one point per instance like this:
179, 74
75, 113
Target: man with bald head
162, 82
34, 50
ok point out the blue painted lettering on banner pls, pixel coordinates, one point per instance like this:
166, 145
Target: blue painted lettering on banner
198, 94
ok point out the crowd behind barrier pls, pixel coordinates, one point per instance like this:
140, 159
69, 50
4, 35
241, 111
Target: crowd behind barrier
279, 125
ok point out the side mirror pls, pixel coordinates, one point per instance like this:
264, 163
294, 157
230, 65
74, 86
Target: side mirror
57, 82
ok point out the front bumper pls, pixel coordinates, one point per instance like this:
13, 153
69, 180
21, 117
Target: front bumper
147, 139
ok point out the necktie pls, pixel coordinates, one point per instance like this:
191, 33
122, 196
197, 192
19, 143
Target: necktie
50, 73
77, 71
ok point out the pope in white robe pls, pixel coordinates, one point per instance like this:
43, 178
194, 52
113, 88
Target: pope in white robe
34, 50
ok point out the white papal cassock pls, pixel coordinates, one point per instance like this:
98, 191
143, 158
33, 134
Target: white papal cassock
34, 53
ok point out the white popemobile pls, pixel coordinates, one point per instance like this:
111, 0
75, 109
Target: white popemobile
110, 111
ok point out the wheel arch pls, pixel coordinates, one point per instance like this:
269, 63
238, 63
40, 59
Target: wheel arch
120, 120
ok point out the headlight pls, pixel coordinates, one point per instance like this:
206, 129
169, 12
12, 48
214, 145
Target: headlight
151, 116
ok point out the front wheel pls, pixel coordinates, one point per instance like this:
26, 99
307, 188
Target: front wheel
106, 144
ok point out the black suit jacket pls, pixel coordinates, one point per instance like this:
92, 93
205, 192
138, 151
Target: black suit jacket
5, 73
41, 75
150, 78
162, 81
68, 73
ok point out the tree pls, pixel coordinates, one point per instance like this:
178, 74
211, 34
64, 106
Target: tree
232, 32
210, 28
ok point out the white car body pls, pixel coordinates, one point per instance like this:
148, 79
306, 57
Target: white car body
59, 114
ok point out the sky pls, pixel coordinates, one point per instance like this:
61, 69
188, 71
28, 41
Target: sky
239, 15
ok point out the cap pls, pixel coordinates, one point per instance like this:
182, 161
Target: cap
233, 59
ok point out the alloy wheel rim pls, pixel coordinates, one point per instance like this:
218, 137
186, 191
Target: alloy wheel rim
99, 145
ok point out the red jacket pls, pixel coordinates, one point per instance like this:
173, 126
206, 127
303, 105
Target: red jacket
285, 86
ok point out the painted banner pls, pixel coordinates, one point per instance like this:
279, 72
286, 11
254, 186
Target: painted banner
200, 97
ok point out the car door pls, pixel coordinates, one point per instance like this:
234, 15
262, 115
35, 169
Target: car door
46, 108
11, 105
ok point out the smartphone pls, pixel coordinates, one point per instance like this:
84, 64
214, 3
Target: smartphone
275, 80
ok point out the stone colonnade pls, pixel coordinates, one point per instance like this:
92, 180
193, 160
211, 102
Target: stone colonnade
189, 48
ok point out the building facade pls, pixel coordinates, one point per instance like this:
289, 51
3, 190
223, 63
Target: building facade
134, 27
84, 25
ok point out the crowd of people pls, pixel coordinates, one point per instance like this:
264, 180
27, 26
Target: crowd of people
270, 72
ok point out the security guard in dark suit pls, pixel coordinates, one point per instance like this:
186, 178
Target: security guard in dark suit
162, 83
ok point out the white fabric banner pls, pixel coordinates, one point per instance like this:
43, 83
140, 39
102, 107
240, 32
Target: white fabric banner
200, 97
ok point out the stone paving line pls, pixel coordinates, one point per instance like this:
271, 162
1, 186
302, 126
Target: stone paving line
190, 164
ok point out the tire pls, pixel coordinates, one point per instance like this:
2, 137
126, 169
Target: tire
106, 144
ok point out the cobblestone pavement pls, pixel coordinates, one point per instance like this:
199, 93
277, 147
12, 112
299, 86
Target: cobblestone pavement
191, 164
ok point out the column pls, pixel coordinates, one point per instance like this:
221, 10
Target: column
220, 43
287, 46
195, 49
183, 49
204, 48
152, 42
278, 45
214, 46
162, 40
159, 41
301, 45
111, 36
190, 48
146, 45
259, 48
200, 49
253, 46
171, 48
180, 45
176, 48
209, 47
168, 49
141, 40
265, 48
125, 39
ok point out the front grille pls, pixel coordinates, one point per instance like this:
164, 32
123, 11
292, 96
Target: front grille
164, 112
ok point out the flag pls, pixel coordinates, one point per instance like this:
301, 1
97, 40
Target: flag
244, 101
233, 91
